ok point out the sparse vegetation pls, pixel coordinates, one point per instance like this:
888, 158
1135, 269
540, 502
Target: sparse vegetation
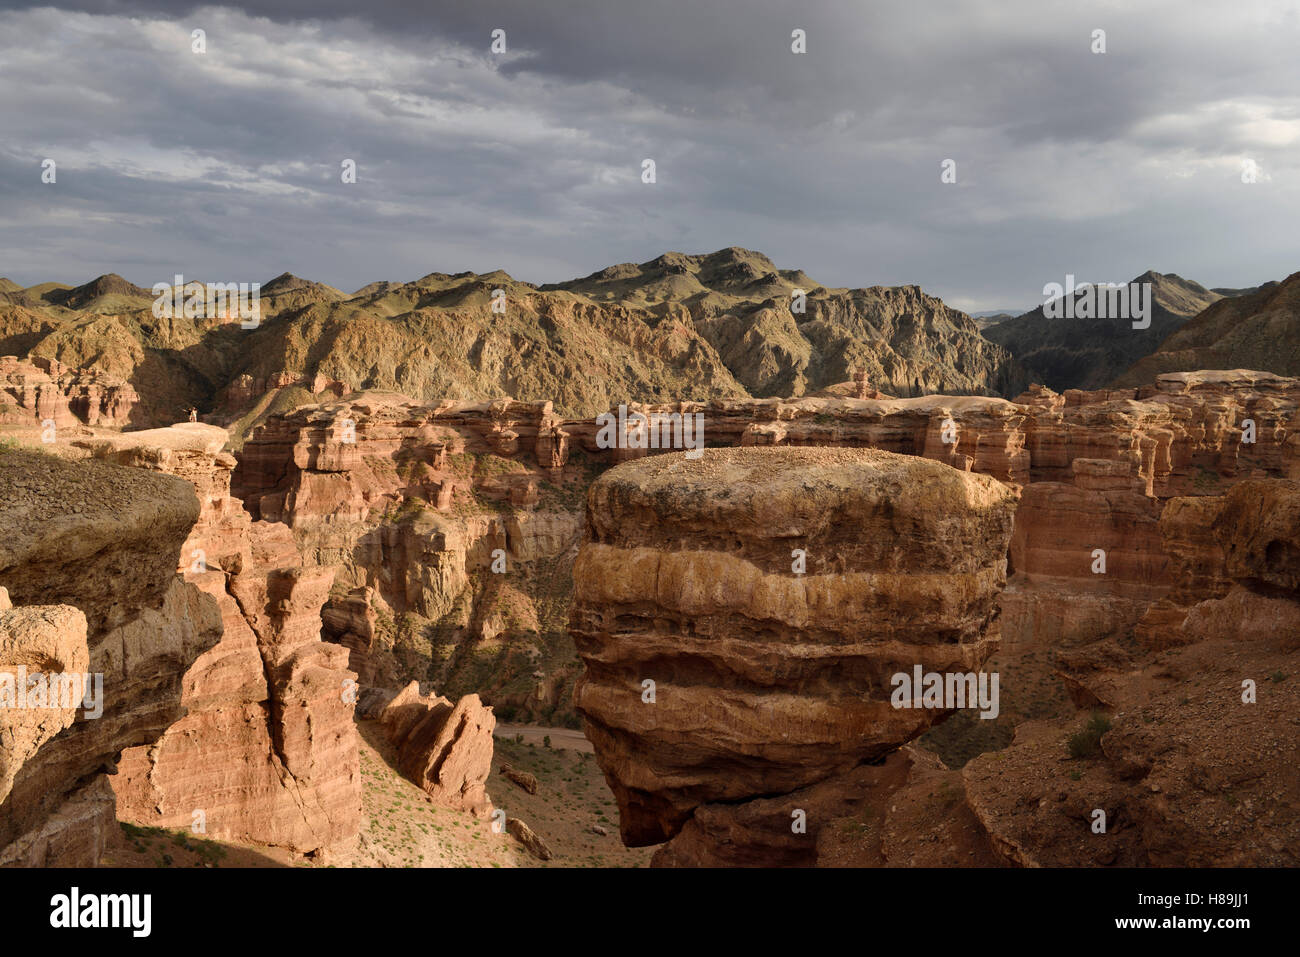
1087, 743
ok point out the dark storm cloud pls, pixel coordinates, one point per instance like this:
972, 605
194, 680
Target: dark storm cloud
1067, 161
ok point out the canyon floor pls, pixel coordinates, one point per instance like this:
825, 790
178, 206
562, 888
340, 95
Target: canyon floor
401, 827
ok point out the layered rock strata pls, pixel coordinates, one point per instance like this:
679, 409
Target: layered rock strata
37, 391
1186, 430
386, 489
268, 751
741, 618
452, 524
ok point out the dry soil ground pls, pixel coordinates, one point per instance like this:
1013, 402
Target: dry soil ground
401, 827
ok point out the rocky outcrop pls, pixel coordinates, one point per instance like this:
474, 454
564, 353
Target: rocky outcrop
1206, 581
741, 618
521, 778
322, 463
411, 501
1259, 532
905, 810
1236, 561
37, 391
103, 540
446, 749
452, 528
529, 838
38, 643
1088, 556
341, 460
77, 834
268, 752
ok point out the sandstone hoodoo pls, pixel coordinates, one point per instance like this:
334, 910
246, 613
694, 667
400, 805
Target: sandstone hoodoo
267, 750
741, 618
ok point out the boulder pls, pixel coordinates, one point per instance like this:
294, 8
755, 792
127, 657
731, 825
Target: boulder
529, 838
446, 749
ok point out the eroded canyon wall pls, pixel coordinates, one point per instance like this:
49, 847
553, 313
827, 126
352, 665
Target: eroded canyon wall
88, 556
267, 753
411, 501
1193, 762
438, 540
38, 390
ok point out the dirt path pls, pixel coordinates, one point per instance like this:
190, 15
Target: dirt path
561, 738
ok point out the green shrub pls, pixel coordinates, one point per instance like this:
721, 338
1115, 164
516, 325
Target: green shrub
1087, 743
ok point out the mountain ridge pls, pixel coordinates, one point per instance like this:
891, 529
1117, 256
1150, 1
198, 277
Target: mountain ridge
714, 325
1259, 329
1064, 352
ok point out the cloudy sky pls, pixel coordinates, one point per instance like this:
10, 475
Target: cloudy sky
226, 165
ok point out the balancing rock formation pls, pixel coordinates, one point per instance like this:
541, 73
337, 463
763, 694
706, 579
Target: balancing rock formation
766, 680
387, 489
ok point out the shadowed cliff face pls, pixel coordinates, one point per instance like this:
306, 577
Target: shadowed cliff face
102, 542
1257, 330
769, 672
1073, 352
